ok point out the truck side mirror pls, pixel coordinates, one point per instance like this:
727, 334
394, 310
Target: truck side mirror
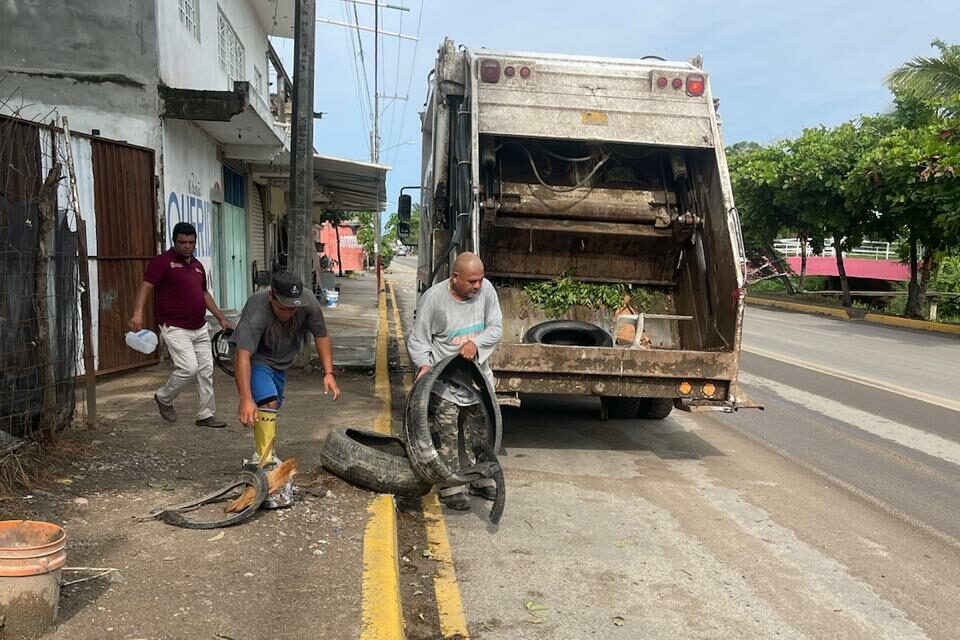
403, 208
403, 231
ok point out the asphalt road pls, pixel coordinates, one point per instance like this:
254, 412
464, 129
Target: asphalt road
831, 514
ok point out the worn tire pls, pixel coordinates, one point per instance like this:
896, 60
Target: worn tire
371, 460
623, 408
654, 408
568, 333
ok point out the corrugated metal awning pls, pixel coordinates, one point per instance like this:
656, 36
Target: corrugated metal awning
351, 185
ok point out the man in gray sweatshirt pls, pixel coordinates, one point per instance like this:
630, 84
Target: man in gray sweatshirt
460, 315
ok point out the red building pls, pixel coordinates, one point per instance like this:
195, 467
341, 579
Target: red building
351, 254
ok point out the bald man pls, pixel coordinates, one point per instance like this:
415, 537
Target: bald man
460, 315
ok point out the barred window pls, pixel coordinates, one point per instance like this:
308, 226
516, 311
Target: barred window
190, 17
231, 51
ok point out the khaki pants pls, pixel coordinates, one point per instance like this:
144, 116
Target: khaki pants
457, 428
192, 360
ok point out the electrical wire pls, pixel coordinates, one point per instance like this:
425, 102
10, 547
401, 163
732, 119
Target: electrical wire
413, 64
396, 84
363, 63
357, 81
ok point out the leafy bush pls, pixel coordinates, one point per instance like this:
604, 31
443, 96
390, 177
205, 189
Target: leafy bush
948, 280
556, 297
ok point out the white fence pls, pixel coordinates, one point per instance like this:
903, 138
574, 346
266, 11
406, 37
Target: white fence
871, 249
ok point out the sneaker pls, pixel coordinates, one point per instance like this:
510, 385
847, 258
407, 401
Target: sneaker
457, 502
487, 493
167, 412
212, 422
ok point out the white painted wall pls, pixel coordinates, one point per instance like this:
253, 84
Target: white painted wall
188, 64
192, 173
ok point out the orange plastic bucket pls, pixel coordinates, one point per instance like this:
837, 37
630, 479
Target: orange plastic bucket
31, 557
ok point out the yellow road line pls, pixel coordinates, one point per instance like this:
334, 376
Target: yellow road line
891, 388
382, 617
383, 423
453, 621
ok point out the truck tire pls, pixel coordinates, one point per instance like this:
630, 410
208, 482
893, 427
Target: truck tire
654, 408
568, 333
371, 460
622, 408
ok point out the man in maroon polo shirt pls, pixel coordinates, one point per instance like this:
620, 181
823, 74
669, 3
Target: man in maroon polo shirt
182, 301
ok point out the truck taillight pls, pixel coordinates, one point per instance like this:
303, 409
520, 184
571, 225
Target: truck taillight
662, 82
489, 70
695, 85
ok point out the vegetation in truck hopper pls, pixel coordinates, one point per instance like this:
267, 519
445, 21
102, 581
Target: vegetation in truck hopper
556, 297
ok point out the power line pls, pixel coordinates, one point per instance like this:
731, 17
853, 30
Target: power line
396, 84
363, 62
357, 80
413, 65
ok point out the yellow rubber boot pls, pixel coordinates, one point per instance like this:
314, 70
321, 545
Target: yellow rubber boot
265, 430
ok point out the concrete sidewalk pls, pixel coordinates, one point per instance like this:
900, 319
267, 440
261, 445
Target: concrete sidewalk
354, 322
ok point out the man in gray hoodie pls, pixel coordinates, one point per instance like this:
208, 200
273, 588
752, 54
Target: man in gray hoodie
460, 315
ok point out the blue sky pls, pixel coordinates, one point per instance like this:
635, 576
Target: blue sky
777, 67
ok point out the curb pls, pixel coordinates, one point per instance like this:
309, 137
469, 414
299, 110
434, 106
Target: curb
842, 314
800, 308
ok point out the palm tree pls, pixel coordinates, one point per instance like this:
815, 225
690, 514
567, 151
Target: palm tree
931, 78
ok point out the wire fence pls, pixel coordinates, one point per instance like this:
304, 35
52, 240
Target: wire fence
40, 328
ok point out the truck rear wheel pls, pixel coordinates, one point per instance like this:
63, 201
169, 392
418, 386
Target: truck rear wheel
620, 408
654, 408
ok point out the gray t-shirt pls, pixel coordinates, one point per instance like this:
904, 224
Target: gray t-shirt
273, 342
444, 324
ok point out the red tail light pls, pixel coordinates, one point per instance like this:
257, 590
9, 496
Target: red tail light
662, 82
695, 85
677, 83
509, 72
489, 70
524, 72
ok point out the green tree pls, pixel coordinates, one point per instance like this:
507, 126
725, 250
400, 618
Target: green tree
931, 78
367, 238
756, 177
888, 179
815, 175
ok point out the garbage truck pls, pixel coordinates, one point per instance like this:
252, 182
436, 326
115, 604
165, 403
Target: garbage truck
596, 192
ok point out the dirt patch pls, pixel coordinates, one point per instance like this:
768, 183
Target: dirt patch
292, 573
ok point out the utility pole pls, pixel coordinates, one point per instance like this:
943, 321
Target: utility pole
299, 216
376, 137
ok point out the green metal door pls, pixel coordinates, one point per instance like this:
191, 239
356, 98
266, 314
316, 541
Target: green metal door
215, 277
234, 256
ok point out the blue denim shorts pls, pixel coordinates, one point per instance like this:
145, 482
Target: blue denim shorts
267, 383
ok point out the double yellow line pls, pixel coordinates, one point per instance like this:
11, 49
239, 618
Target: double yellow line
382, 617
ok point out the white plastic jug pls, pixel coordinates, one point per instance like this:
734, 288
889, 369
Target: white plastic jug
333, 297
144, 341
